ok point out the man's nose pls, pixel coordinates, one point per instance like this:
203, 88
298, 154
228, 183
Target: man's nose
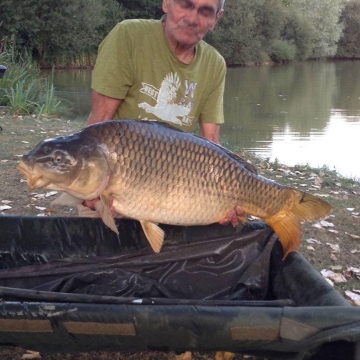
192, 16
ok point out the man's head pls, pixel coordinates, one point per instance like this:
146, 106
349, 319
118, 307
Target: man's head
188, 21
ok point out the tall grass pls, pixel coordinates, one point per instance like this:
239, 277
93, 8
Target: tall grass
22, 97
24, 90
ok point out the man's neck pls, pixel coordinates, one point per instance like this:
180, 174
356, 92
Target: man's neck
185, 53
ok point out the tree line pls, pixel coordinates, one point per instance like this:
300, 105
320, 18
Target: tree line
68, 32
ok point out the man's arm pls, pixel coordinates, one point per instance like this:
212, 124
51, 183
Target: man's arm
210, 131
103, 108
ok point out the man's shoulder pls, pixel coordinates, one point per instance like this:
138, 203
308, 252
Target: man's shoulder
210, 53
134, 25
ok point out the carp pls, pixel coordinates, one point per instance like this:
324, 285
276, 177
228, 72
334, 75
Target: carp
154, 173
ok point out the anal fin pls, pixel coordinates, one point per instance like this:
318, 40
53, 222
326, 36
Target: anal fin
103, 208
154, 234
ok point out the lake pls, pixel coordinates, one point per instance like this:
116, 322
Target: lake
301, 113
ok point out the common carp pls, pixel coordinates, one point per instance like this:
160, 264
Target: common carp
154, 173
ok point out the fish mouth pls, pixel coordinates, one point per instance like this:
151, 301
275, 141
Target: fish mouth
34, 178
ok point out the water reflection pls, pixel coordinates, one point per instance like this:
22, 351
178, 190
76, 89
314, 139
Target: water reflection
299, 113
74, 86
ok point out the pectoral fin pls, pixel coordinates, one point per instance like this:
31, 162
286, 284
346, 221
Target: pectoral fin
103, 208
154, 234
66, 199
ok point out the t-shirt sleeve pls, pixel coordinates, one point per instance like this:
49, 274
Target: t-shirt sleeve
113, 74
213, 110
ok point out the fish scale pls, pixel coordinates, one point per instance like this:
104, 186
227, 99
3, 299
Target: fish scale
157, 174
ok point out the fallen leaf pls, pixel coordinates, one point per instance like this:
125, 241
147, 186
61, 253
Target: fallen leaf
350, 209
310, 248
322, 195
4, 207
51, 193
353, 269
40, 196
333, 257
355, 298
333, 231
41, 208
354, 237
319, 181
324, 223
334, 247
7, 202
335, 277
336, 267
313, 241
25, 142
31, 355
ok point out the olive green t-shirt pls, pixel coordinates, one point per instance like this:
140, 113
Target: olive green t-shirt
135, 63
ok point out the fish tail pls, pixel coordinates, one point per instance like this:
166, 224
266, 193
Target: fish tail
300, 207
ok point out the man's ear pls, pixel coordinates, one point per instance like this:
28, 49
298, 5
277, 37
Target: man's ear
218, 17
165, 6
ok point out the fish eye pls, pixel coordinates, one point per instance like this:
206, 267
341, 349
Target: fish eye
58, 157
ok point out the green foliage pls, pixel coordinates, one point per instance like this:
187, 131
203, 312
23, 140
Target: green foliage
282, 50
298, 31
24, 90
142, 9
66, 29
326, 29
237, 37
348, 46
21, 98
68, 32
280, 30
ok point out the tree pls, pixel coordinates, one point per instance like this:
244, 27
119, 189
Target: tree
326, 30
237, 37
61, 29
348, 46
142, 9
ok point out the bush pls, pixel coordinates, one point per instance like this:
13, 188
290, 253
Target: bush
282, 50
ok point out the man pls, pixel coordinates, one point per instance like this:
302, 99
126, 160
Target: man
162, 70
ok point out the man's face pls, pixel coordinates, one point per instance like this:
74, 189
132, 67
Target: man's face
188, 21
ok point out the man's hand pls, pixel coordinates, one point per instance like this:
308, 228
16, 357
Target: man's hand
234, 217
91, 204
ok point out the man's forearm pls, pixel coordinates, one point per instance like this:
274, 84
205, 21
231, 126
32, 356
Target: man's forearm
210, 131
103, 108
